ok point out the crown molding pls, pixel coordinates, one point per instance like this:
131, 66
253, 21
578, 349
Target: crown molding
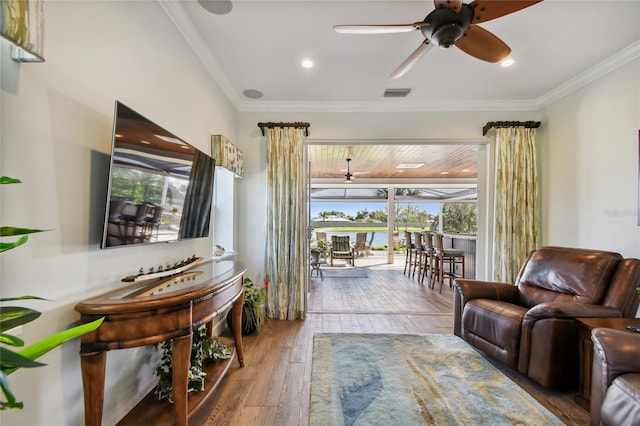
613, 62
386, 106
185, 26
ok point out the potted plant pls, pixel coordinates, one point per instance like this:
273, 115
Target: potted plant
253, 313
14, 316
320, 250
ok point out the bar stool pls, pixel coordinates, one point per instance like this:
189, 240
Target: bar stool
452, 258
409, 251
420, 255
429, 249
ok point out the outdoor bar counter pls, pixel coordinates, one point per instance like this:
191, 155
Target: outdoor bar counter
466, 243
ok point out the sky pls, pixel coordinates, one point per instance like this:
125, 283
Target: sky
351, 208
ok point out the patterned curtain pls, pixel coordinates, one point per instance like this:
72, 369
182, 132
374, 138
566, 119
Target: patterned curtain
286, 224
516, 226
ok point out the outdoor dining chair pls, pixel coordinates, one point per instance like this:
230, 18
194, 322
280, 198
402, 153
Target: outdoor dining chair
341, 249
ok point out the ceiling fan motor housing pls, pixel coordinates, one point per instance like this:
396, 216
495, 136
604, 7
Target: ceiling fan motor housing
445, 26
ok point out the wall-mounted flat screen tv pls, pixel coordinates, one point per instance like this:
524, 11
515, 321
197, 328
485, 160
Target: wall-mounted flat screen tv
160, 187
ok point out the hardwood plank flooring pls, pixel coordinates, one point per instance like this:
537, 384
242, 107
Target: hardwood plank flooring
273, 388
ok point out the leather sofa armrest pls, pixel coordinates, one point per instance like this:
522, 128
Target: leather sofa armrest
615, 353
475, 289
465, 290
554, 323
570, 310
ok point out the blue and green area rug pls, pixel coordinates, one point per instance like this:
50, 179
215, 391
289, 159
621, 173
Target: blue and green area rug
391, 379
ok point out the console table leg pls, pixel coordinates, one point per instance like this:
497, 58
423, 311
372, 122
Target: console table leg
237, 327
93, 371
181, 365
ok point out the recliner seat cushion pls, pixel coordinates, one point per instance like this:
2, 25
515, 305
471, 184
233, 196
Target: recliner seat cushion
621, 404
494, 326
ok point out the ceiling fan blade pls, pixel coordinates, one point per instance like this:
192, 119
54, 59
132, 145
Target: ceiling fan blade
451, 4
411, 60
486, 10
378, 29
483, 45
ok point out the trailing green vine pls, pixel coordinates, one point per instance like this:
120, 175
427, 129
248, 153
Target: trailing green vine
203, 349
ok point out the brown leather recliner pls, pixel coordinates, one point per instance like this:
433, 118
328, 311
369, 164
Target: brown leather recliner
530, 326
615, 378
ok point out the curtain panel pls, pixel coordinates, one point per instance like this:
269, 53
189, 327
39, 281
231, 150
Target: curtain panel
517, 202
285, 261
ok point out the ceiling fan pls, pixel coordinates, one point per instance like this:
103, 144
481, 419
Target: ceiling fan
452, 23
350, 177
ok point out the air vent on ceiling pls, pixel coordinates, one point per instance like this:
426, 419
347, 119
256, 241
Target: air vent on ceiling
396, 93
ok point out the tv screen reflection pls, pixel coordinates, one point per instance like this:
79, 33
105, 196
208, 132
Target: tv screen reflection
160, 187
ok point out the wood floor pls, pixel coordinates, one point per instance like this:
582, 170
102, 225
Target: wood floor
274, 386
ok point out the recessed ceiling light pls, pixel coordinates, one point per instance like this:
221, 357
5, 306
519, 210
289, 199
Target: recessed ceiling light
409, 165
444, 173
507, 63
307, 63
252, 94
145, 142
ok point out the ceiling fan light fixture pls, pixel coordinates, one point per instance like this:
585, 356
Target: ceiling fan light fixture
446, 35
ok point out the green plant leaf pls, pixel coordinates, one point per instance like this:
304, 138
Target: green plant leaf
8, 339
10, 231
10, 360
45, 345
14, 316
9, 246
6, 390
9, 299
4, 180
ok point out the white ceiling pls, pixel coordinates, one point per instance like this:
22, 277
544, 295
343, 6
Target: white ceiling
260, 44
557, 45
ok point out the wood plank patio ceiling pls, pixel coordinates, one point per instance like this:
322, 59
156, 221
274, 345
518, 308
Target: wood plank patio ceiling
382, 161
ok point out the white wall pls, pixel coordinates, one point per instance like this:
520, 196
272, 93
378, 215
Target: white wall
56, 137
589, 165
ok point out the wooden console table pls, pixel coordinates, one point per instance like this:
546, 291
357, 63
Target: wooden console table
585, 326
150, 312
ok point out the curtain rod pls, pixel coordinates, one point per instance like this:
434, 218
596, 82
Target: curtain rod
496, 124
296, 125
